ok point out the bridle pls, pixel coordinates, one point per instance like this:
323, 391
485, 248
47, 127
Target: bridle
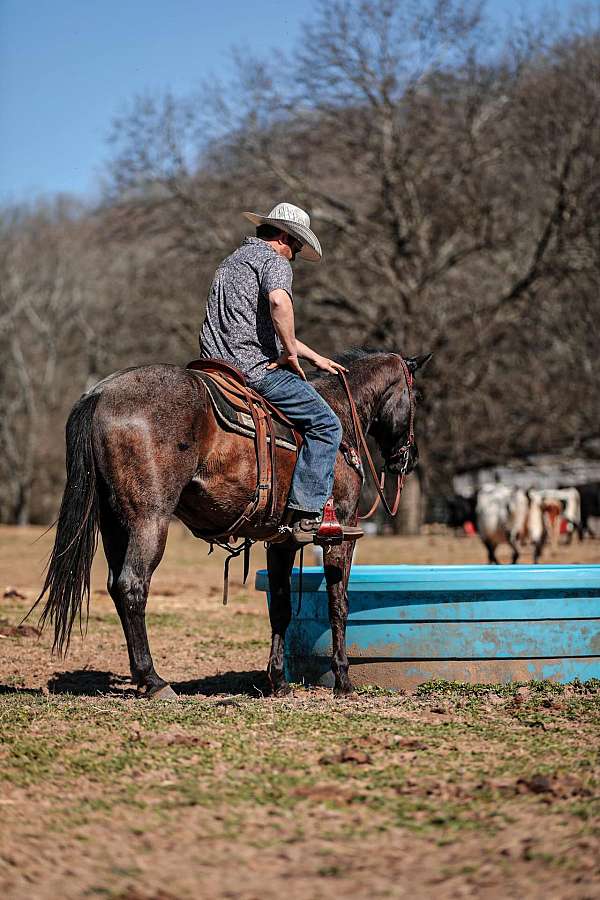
403, 453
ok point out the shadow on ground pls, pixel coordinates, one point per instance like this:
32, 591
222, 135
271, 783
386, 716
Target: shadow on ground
90, 683
95, 682
254, 684
12, 689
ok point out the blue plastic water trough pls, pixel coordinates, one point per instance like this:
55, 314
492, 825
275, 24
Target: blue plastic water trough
476, 624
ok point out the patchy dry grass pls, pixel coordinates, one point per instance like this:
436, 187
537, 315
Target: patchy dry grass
446, 765
453, 791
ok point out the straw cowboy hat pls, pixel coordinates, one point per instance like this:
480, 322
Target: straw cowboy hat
294, 221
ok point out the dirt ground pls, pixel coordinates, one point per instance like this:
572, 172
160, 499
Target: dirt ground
448, 792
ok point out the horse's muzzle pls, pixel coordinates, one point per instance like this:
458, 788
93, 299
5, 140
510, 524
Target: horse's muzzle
403, 461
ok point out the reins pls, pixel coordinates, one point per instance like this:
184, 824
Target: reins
361, 443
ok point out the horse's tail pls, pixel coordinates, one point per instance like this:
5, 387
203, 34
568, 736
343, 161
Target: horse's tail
67, 580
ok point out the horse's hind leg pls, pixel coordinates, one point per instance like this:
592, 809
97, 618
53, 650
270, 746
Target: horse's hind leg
132, 555
280, 560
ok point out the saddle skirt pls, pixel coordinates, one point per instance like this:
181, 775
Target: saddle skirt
229, 393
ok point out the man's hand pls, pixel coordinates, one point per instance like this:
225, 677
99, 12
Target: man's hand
291, 361
328, 365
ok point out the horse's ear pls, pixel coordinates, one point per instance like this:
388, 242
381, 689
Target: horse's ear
417, 362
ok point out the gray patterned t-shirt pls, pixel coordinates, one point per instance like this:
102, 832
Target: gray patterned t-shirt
238, 326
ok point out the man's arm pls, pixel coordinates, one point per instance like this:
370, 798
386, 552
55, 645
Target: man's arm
321, 362
282, 314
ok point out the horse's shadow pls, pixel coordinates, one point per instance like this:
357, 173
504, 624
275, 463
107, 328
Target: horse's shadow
7, 689
252, 684
90, 683
95, 682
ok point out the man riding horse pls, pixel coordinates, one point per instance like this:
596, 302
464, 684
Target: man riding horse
249, 323
145, 444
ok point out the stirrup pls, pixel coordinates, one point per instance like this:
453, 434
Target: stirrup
330, 531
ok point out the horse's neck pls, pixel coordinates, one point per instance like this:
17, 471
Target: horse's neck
368, 383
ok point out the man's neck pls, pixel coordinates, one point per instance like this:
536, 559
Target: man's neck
279, 247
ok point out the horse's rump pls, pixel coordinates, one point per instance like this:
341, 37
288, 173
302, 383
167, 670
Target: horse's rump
160, 446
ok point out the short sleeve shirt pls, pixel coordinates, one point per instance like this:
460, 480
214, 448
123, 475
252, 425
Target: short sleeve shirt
238, 327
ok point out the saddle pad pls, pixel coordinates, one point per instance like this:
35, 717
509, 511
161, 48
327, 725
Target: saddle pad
235, 420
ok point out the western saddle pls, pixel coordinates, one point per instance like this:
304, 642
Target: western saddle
240, 408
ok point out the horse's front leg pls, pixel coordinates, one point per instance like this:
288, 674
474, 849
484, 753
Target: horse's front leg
337, 561
280, 560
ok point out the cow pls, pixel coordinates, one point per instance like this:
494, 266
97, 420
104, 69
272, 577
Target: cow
502, 515
460, 510
558, 504
536, 531
589, 495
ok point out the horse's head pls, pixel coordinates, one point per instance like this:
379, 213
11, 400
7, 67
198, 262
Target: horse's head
392, 427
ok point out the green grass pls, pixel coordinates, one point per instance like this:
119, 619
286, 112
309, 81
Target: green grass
544, 688
431, 772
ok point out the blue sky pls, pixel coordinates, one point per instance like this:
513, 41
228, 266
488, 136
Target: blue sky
67, 67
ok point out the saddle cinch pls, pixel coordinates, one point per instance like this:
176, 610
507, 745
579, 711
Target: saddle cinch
241, 409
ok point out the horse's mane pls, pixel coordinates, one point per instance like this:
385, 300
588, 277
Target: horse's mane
347, 357
355, 353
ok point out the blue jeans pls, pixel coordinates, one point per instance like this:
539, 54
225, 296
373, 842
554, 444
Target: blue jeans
320, 428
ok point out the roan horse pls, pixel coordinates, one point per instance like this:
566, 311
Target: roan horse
144, 445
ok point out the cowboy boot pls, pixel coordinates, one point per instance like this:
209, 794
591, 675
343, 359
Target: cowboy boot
323, 529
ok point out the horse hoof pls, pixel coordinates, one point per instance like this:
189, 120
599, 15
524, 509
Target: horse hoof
343, 691
283, 692
163, 693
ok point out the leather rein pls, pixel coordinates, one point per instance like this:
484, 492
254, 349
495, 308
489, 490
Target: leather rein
404, 451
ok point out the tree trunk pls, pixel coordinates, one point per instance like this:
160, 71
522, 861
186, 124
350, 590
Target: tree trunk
410, 513
22, 511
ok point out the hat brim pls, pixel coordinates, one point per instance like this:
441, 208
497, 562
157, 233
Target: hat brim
311, 249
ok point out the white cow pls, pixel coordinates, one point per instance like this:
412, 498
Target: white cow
536, 530
556, 504
502, 515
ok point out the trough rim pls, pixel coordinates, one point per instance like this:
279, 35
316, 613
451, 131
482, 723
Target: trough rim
407, 577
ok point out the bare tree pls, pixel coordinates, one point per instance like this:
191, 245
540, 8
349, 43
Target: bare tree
457, 196
39, 305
